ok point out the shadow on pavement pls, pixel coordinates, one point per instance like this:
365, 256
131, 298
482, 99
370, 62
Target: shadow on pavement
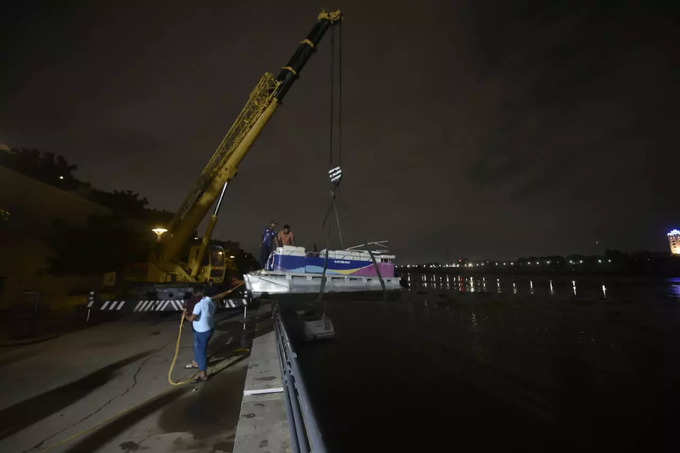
28, 412
211, 411
103, 435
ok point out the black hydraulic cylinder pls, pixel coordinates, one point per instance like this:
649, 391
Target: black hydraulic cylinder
291, 71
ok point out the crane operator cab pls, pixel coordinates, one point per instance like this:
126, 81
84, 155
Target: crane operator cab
213, 267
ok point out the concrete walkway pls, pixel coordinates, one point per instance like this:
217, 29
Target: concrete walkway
87, 379
263, 423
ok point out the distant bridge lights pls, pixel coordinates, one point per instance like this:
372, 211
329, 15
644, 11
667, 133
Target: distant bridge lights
539, 264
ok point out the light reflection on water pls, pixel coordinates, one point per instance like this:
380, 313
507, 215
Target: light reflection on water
542, 359
586, 286
674, 284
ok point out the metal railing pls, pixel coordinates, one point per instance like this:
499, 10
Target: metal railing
304, 429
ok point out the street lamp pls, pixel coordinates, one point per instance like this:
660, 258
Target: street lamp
159, 231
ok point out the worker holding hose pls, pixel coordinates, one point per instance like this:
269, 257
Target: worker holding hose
203, 322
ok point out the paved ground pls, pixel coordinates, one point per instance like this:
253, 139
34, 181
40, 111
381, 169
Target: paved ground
79, 381
21, 327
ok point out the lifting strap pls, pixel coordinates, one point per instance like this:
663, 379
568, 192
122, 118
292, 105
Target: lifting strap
335, 135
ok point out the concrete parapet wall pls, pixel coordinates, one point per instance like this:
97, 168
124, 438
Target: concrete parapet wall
263, 422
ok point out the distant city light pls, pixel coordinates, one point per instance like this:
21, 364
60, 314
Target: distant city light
674, 241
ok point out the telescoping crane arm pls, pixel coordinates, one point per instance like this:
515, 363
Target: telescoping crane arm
223, 165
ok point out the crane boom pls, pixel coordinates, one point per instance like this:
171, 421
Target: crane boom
223, 165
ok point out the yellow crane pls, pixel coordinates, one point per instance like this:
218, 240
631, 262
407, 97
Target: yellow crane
205, 262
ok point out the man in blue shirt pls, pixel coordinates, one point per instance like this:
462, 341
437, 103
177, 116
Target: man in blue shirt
267, 243
203, 322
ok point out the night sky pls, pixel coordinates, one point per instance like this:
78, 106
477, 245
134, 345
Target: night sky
473, 128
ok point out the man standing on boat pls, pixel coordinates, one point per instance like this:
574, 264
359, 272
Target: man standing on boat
285, 236
267, 243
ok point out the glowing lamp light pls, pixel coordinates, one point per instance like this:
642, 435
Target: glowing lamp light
61, 177
159, 231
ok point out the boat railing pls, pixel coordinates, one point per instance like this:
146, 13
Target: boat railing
305, 433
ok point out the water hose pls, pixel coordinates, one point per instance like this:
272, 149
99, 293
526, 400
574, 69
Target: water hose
174, 358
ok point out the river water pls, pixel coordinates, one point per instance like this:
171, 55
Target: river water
501, 364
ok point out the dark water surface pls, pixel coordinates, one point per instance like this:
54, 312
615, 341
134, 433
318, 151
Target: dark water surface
524, 369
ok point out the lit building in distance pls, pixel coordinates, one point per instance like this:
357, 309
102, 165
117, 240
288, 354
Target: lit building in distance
674, 241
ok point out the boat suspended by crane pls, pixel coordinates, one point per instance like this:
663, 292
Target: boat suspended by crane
181, 261
293, 270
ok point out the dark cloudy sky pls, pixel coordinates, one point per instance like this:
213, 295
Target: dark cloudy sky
472, 128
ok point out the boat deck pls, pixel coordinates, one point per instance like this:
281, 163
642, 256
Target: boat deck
276, 282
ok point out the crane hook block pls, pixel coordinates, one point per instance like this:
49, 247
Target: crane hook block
335, 175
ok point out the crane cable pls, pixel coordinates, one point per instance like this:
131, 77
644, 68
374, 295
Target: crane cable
335, 138
335, 141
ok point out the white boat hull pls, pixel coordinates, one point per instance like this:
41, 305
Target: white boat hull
273, 282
